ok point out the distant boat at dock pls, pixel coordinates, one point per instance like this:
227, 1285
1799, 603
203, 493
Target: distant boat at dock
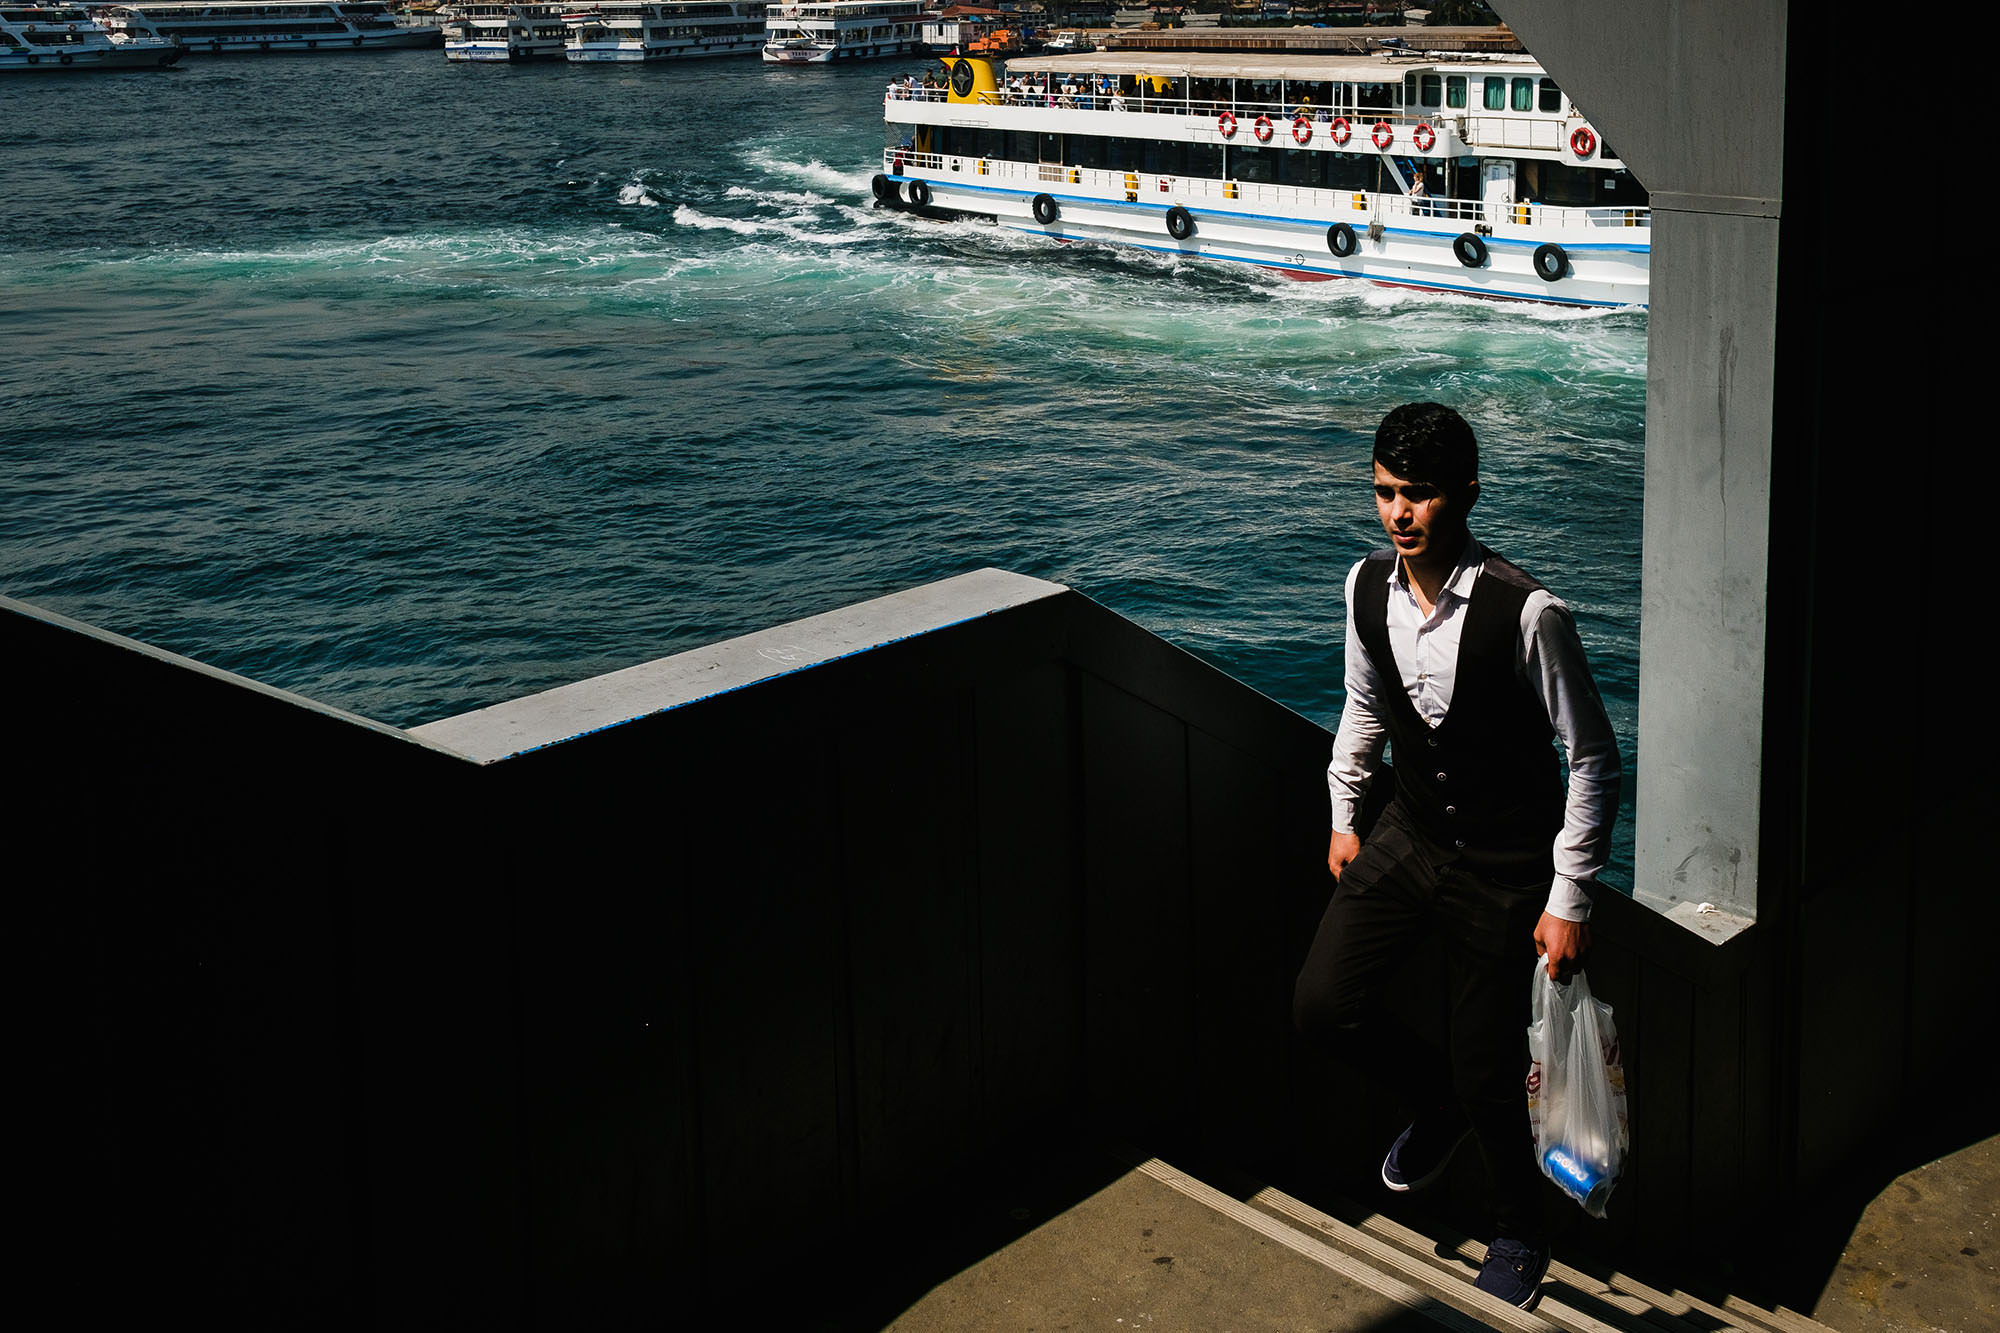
634, 31
66, 38
221, 27
818, 32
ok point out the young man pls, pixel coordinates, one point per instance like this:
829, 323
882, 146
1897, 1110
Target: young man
1469, 670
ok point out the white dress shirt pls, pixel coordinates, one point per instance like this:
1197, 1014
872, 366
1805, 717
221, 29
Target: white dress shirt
1550, 662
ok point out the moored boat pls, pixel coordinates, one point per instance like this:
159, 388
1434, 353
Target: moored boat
496, 32
817, 32
1458, 173
67, 38
675, 30
228, 26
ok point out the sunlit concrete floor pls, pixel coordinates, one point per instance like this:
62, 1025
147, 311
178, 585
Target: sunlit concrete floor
1136, 1254
1925, 1254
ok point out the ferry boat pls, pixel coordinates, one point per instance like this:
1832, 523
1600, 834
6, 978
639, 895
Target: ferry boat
679, 30
1457, 173
65, 37
814, 32
505, 32
220, 26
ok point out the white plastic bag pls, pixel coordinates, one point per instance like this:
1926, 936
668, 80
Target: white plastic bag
1576, 1090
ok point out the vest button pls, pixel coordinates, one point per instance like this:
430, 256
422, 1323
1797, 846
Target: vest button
1460, 844
1451, 809
1431, 741
1440, 777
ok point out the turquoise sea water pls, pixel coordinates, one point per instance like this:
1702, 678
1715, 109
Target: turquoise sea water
415, 386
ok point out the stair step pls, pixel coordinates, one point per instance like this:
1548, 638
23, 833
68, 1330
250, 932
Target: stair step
1676, 1311
1412, 1248
1464, 1310
1433, 1274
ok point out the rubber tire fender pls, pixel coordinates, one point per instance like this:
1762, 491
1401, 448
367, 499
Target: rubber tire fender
1180, 223
1340, 239
884, 188
920, 194
1045, 208
1471, 251
1551, 262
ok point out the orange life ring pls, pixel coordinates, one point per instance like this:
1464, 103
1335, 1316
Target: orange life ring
1382, 135
1302, 131
1262, 129
1424, 137
1339, 130
1583, 143
1225, 125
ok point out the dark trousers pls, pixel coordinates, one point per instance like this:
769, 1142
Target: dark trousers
1401, 888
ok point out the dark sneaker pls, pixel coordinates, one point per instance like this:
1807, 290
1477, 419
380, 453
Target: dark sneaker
1513, 1271
1415, 1160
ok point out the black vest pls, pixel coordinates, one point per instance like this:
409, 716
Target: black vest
1486, 781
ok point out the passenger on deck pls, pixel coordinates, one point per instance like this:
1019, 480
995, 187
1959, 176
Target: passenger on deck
1117, 101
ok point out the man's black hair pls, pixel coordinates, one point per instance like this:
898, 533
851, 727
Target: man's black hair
1428, 442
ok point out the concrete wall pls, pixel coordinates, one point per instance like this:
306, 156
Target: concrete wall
577, 1009
1693, 97
1800, 551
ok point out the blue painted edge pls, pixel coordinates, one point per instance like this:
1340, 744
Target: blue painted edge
1506, 241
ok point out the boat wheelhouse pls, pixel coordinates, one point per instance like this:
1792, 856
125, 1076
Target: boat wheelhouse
682, 29
1459, 173
506, 32
66, 37
814, 32
222, 26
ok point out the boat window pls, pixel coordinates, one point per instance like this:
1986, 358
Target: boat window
1552, 97
1253, 164
1524, 94
1087, 150
1375, 96
1165, 159
1433, 90
1302, 167
1121, 154
1204, 159
1021, 145
1347, 171
1496, 94
1454, 92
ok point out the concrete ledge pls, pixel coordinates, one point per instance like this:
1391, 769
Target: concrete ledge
161, 657
488, 735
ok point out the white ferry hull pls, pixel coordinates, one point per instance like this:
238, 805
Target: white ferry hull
639, 55
774, 54
500, 52
370, 41
1609, 269
152, 55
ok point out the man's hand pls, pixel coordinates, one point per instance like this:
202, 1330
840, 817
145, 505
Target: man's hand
1562, 943
1344, 848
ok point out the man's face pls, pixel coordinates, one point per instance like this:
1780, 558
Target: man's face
1425, 524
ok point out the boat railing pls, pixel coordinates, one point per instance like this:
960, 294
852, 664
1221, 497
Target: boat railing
1433, 132
1134, 185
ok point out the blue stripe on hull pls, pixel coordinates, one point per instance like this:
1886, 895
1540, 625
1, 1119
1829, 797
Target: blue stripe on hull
1573, 247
